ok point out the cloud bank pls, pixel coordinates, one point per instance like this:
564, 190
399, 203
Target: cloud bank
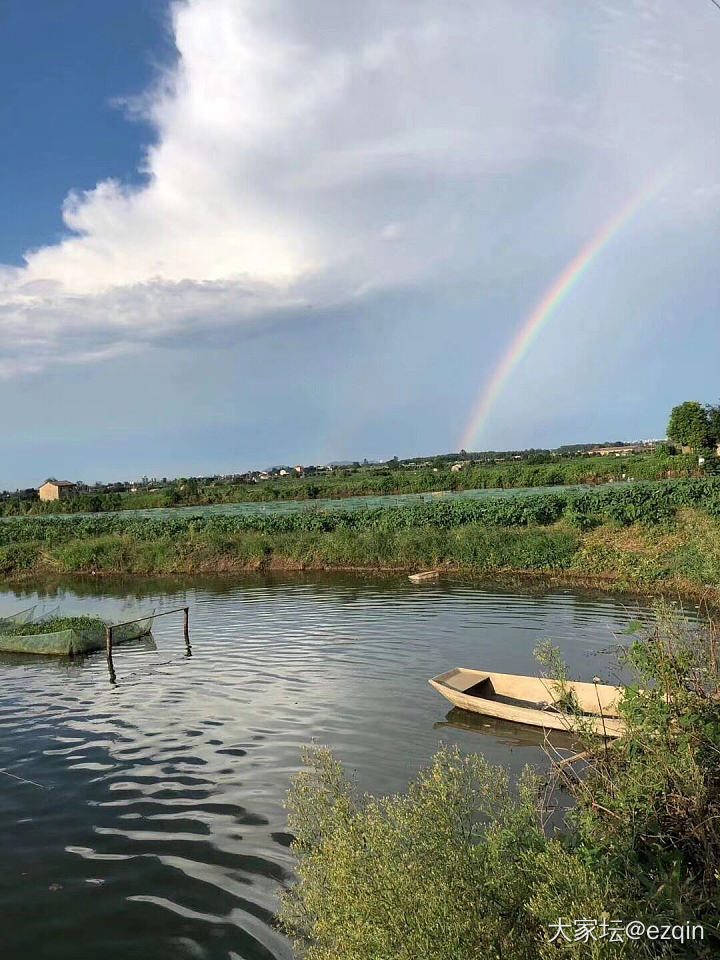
315, 155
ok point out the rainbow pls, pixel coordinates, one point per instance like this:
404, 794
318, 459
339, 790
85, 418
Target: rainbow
552, 298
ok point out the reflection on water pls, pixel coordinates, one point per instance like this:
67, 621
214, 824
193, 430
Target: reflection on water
507, 733
159, 828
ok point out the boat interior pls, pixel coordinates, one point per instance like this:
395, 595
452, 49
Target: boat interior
485, 690
529, 692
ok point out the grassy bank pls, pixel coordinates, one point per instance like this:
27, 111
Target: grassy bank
648, 536
681, 554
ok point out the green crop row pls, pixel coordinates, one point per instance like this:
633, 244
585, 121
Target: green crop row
376, 481
640, 502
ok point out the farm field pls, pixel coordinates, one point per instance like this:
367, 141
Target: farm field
659, 536
359, 484
284, 507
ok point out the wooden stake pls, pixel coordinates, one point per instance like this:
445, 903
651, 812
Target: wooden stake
108, 647
164, 613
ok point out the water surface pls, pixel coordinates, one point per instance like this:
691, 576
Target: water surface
157, 829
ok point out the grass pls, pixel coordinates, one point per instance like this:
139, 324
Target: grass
686, 550
53, 625
472, 547
680, 554
465, 864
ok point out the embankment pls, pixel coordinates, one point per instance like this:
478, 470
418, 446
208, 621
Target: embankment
652, 537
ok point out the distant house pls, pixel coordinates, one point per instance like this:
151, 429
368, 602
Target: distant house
57, 490
456, 467
299, 470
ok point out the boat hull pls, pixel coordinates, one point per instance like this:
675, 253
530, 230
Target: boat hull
477, 691
71, 643
424, 576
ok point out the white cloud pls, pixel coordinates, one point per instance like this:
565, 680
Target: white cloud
312, 153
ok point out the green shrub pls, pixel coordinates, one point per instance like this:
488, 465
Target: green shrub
17, 557
413, 875
462, 867
457, 868
651, 809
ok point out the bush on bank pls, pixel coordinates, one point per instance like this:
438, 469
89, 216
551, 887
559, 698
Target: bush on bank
463, 866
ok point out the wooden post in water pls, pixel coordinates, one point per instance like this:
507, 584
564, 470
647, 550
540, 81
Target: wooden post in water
108, 647
164, 613
186, 629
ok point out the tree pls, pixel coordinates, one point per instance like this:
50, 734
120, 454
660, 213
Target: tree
713, 418
689, 425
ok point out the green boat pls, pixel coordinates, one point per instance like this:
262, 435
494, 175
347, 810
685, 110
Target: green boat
80, 635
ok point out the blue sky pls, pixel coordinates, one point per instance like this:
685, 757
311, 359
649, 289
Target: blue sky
236, 233
62, 64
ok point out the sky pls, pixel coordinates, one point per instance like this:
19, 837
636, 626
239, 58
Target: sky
237, 233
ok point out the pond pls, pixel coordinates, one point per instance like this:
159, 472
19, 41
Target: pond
154, 822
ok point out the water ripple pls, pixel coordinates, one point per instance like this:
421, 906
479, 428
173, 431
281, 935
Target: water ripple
161, 803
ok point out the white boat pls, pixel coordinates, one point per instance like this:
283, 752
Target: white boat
423, 576
533, 700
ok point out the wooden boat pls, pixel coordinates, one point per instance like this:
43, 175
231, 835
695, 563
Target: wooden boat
532, 700
70, 643
423, 576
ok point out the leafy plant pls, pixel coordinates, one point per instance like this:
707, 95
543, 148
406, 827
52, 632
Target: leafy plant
52, 625
637, 503
549, 656
462, 865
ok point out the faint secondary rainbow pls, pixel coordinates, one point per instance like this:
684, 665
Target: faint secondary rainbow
552, 297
